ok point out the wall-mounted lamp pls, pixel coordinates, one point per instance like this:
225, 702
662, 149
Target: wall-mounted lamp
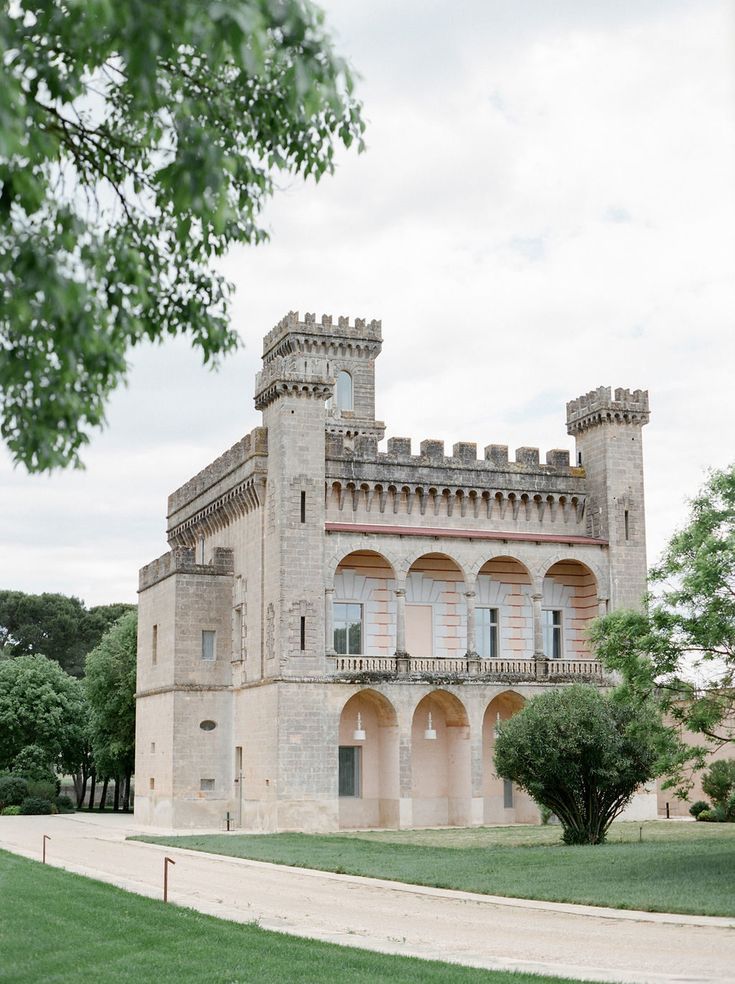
359, 733
430, 733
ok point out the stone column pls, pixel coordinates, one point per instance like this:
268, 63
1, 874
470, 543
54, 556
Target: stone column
329, 621
473, 660
542, 662
402, 661
471, 639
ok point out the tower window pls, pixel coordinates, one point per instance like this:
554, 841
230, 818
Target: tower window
154, 645
303, 507
344, 390
303, 633
627, 525
208, 639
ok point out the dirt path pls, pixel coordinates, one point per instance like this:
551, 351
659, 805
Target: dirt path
480, 931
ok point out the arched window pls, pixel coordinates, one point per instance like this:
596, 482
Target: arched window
344, 390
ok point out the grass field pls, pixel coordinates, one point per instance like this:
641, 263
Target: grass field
57, 927
677, 867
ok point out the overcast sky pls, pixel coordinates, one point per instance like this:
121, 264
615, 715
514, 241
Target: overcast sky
546, 205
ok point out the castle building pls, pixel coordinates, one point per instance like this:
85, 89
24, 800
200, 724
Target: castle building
337, 631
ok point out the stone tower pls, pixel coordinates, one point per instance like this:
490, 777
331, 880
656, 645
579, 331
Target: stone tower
305, 367
608, 434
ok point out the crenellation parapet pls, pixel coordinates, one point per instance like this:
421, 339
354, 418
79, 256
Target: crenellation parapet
361, 329
182, 560
601, 406
253, 444
464, 455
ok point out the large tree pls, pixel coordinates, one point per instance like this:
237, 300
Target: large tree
40, 705
54, 625
582, 754
138, 141
110, 688
681, 648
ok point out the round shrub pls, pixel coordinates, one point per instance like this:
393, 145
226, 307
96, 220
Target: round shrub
13, 790
699, 807
718, 814
65, 804
35, 806
10, 811
42, 789
706, 816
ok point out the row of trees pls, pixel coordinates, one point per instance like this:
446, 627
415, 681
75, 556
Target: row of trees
53, 723
582, 754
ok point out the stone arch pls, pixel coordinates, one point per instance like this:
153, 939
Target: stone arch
368, 769
502, 802
436, 607
569, 588
441, 785
503, 608
363, 604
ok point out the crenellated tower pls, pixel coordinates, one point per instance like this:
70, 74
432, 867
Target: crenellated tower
316, 377
607, 429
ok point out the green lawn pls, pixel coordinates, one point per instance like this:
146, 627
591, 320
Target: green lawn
59, 927
678, 867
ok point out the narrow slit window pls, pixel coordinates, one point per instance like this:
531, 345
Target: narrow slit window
303, 633
208, 645
154, 645
303, 507
627, 525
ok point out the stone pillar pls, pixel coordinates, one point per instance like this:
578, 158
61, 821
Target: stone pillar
542, 662
538, 628
329, 621
401, 622
402, 659
471, 638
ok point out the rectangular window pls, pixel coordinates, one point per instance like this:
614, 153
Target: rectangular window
201, 550
206, 785
627, 525
151, 783
552, 632
349, 770
208, 640
486, 632
154, 645
303, 633
238, 763
507, 794
347, 628
303, 507
153, 746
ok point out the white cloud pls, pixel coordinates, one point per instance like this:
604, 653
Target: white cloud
546, 206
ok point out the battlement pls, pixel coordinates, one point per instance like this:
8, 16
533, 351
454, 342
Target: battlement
254, 443
182, 560
464, 456
360, 330
599, 406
